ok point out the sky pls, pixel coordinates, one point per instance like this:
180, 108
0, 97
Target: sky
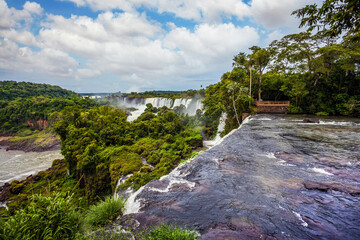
135, 45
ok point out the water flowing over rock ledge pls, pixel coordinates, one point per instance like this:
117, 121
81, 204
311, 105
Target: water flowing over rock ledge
260, 183
139, 103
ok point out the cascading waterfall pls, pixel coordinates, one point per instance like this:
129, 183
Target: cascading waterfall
119, 182
221, 128
191, 104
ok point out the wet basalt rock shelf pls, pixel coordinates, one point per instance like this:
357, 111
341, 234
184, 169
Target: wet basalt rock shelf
274, 178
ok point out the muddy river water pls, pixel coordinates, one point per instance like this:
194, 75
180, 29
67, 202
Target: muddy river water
274, 178
17, 165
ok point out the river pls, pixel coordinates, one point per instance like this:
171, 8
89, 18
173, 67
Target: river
274, 178
17, 165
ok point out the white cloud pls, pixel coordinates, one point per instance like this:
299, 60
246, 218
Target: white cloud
200, 10
22, 36
211, 43
33, 8
10, 17
23, 59
89, 38
87, 73
269, 13
273, 14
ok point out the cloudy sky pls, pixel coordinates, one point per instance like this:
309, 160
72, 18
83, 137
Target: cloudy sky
134, 45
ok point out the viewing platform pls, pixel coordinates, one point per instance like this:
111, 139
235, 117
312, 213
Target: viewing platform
272, 106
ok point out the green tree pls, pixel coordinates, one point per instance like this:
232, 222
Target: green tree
261, 58
335, 16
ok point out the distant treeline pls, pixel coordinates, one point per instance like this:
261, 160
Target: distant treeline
11, 90
167, 94
23, 104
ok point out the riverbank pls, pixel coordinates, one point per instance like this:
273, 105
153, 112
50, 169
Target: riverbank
38, 142
16, 193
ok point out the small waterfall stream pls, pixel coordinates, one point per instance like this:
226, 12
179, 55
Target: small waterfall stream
221, 127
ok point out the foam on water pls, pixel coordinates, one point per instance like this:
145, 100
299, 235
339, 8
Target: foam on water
264, 119
337, 123
175, 177
270, 155
132, 205
298, 216
119, 182
3, 205
320, 170
284, 163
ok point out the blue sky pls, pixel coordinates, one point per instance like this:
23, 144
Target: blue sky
134, 45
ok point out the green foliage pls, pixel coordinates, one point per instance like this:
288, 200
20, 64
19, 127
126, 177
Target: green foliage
25, 106
315, 78
230, 95
123, 164
150, 108
170, 232
100, 146
335, 16
104, 212
11, 90
46, 217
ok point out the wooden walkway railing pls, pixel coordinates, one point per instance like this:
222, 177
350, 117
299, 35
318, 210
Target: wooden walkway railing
272, 106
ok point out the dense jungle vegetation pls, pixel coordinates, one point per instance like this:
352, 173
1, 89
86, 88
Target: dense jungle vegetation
317, 71
28, 106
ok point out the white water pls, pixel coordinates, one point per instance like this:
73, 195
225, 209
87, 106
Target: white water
221, 127
298, 216
132, 205
17, 165
119, 182
191, 105
320, 170
218, 139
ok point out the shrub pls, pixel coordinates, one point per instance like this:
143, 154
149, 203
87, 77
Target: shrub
104, 212
170, 232
46, 217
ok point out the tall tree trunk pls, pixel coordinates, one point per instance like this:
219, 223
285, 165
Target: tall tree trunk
234, 106
260, 78
250, 80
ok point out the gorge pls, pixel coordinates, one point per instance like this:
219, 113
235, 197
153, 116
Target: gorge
274, 178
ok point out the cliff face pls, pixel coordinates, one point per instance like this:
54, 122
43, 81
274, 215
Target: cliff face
38, 125
266, 180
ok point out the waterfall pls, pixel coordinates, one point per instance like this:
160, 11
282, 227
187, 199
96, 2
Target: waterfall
119, 182
221, 128
191, 105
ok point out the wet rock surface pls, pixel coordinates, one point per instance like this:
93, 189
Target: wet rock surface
274, 178
311, 120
